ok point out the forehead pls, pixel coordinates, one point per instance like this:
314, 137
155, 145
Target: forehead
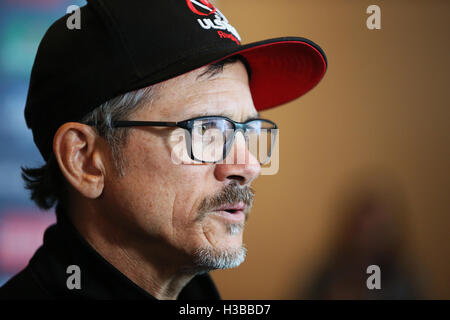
193, 94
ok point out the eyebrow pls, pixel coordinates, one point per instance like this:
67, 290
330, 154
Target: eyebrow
226, 114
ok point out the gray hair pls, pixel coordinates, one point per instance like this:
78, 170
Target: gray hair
119, 108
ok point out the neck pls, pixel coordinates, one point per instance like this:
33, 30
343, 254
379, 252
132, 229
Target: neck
146, 262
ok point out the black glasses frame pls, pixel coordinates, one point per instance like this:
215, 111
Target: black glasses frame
188, 125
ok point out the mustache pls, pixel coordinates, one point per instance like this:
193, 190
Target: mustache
230, 194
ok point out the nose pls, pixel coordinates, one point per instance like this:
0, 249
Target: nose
239, 165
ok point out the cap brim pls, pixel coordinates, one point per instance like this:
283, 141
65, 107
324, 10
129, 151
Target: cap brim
282, 69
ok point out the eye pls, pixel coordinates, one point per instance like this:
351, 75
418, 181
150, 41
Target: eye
201, 129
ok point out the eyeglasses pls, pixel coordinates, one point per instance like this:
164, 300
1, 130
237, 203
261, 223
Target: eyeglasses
209, 139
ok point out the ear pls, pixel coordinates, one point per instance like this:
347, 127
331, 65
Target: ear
77, 149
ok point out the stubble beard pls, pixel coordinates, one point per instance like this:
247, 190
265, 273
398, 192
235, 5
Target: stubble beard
210, 258
207, 258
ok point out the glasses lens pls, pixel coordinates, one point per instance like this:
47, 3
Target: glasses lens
208, 138
260, 137
212, 139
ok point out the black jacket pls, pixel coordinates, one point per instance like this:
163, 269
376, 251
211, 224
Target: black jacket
46, 275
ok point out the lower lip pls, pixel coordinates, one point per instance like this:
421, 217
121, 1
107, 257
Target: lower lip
237, 216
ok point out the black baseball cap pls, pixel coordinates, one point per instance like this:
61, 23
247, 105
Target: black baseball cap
125, 45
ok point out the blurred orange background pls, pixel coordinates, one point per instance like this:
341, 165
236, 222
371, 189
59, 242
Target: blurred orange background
377, 123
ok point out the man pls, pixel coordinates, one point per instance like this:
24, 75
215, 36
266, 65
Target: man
140, 215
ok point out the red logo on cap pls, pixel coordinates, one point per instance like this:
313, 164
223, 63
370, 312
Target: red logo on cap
201, 7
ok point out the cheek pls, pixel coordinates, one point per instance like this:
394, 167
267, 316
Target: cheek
142, 197
194, 184
162, 197
191, 185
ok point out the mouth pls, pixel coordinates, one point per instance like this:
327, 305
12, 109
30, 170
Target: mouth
233, 212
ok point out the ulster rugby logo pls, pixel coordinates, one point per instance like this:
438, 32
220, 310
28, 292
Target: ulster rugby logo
201, 7
213, 19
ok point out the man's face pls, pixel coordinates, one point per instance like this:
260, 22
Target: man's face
171, 208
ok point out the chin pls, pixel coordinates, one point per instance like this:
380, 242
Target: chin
212, 258
227, 237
